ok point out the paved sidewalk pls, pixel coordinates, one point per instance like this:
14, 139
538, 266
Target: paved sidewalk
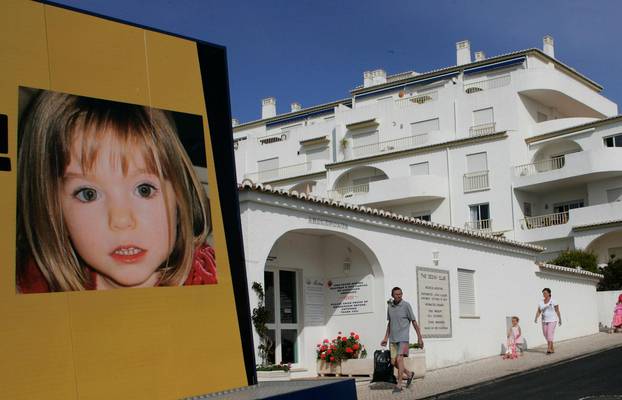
451, 378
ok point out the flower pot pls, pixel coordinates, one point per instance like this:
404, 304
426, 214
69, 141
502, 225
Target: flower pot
357, 366
263, 376
415, 362
327, 368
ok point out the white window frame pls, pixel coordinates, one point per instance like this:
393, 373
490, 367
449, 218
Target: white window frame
467, 303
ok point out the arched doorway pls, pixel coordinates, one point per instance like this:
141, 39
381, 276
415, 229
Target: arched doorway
606, 246
297, 272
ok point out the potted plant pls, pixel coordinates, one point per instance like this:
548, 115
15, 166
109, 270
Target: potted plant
273, 372
343, 355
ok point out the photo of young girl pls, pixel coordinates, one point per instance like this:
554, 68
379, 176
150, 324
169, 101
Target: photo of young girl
107, 198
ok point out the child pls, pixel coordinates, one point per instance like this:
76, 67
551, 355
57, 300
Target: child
616, 322
107, 198
514, 340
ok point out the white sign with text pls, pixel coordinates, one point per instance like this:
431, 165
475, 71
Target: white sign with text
350, 295
434, 302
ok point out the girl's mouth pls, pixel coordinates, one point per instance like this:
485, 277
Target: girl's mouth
128, 254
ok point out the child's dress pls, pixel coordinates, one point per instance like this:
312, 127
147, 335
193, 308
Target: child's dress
616, 323
514, 340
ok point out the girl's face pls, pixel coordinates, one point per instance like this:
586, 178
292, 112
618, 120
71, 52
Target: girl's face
514, 322
119, 223
545, 294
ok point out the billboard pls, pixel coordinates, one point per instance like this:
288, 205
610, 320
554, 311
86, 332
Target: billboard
120, 245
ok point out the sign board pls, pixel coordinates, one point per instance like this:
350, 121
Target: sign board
116, 179
314, 300
350, 295
434, 302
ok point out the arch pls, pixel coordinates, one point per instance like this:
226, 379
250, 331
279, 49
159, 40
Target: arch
304, 187
606, 244
358, 176
557, 148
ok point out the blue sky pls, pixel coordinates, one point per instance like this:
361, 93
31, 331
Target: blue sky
315, 52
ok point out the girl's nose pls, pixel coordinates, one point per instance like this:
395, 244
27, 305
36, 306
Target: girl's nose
121, 218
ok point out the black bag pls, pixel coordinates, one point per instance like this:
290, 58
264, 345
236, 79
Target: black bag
383, 369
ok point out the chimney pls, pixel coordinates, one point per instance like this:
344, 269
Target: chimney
268, 108
367, 79
296, 106
235, 122
463, 52
480, 56
379, 76
548, 46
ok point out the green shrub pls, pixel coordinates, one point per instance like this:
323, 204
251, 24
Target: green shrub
577, 258
612, 279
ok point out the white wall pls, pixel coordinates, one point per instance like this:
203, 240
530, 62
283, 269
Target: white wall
606, 304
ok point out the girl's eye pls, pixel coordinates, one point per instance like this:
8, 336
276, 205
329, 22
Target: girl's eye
86, 195
146, 190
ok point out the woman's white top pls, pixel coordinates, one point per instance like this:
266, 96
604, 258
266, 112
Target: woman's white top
548, 310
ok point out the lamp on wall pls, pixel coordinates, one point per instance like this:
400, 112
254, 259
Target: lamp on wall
347, 263
435, 257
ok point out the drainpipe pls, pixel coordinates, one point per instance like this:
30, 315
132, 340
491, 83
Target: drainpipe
449, 187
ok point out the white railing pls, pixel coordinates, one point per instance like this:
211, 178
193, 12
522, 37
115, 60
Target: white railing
279, 173
542, 221
417, 99
482, 129
277, 137
346, 192
549, 164
476, 181
479, 225
487, 84
390, 145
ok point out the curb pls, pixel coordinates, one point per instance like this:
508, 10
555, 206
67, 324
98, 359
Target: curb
519, 373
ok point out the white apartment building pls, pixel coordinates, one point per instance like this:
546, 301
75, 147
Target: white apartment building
519, 145
462, 175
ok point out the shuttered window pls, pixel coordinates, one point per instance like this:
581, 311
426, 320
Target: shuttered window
477, 162
317, 153
466, 292
422, 127
268, 168
420, 169
483, 116
363, 138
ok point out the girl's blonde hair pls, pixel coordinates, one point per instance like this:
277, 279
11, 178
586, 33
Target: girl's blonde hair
47, 134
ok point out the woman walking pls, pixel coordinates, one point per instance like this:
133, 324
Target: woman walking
550, 317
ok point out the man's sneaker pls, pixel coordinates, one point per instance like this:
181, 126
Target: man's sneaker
410, 379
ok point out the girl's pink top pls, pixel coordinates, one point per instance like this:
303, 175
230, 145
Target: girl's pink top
203, 272
618, 309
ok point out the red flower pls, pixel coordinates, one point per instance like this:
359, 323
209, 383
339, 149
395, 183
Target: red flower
356, 337
338, 337
355, 346
332, 358
323, 348
323, 356
339, 333
319, 345
329, 351
351, 333
348, 350
325, 341
344, 339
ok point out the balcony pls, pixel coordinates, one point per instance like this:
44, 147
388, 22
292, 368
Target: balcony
487, 84
482, 129
281, 173
568, 170
395, 191
560, 225
482, 225
475, 181
390, 145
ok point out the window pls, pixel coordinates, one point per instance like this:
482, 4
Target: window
613, 141
423, 215
466, 292
567, 206
483, 116
282, 306
363, 138
614, 195
477, 162
421, 127
268, 168
317, 153
420, 169
480, 216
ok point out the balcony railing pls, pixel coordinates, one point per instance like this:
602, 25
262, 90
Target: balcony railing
418, 99
390, 145
346, 192
280, 173
476, 181
268, 139
487, 84
542, 221
479, 225
540, 166
482, 129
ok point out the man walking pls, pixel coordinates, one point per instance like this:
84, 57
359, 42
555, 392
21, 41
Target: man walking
400, 314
